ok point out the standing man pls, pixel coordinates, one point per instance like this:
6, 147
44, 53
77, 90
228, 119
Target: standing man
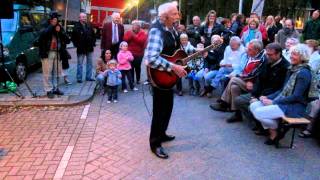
312, 28
112, 35
52, 40
193, 31
84, 40
136, 39
162, 40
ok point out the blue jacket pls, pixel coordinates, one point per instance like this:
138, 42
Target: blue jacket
113, 77
295, 104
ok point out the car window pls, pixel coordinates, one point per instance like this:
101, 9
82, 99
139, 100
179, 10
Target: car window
39, 20
25, 20
10, 25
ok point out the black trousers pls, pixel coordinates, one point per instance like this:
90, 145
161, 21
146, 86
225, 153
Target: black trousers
179, 84
126, 74
112, 93
136, 68
162, 109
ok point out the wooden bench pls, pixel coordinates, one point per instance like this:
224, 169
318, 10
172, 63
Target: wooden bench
293, 123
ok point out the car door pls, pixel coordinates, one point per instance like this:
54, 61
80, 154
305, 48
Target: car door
27, 37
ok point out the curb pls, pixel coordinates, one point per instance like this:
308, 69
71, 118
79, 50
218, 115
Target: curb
72, 100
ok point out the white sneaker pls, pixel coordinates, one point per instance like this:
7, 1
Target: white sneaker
108, 102
115, 101
135, 89
146, 82
125, 91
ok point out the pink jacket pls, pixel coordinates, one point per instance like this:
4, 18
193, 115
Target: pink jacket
124, 59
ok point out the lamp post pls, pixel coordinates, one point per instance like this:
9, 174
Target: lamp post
137, 4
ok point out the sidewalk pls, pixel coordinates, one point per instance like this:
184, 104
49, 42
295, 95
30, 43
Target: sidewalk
74, 94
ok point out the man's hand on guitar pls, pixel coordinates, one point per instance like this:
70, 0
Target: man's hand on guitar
179, 70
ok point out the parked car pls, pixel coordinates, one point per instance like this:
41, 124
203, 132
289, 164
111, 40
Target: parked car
19, 35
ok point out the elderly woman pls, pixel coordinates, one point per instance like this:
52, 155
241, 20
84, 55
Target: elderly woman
211, 63
291, 101
231, 59
136, 39
101, 67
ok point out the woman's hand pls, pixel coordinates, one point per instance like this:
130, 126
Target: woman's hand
267, 102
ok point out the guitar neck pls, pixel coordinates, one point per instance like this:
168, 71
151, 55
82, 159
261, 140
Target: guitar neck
196, 54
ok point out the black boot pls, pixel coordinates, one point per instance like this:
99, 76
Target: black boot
237, 117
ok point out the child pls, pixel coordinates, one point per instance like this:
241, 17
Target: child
189, 49
113, 77
124, 58
195, 65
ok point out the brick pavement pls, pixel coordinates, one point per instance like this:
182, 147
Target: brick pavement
111, 142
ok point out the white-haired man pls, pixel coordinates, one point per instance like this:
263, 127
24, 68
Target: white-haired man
162, 39
112, 35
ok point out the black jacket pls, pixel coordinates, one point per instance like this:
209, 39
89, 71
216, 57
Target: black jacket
212, 61
46, 37
83, 38
204, 31
270, 79
194, 34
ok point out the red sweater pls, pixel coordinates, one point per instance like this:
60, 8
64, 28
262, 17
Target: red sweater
136, 42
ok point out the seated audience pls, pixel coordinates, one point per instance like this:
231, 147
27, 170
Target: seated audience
189, 49
231, 59
291, 101
242, 78
269, 81
211, 62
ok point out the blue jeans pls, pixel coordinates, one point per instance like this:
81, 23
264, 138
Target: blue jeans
88, 66
220, 74
100, 80
206, 77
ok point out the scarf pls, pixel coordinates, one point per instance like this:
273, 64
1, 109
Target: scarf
289, 87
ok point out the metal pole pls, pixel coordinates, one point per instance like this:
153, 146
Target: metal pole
240, 6
66, 15
137, 9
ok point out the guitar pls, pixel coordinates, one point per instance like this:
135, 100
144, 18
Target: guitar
166, 80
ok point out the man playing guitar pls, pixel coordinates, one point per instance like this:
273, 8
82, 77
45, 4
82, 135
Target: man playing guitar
162, 40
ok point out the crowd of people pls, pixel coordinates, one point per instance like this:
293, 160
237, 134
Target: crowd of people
261, 71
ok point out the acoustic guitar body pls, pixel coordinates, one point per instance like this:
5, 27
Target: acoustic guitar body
163, 79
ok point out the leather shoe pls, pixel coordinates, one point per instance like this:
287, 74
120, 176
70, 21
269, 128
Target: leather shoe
160, 152
58, 92
167, 138
234, 118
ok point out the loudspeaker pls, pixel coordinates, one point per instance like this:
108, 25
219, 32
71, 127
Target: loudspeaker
6, 9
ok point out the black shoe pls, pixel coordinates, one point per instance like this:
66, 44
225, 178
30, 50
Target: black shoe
90, 79
160, 152
219, 107
270, 141
58, 92
79, 81
50, 94
234, 118
167, 138
180, 93
261, 132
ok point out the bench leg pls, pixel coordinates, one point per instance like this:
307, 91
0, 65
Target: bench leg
292, 138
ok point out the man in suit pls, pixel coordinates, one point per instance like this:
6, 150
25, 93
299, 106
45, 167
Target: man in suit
112, 35
162, 40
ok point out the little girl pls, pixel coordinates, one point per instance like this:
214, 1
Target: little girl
113, 79
124, 58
